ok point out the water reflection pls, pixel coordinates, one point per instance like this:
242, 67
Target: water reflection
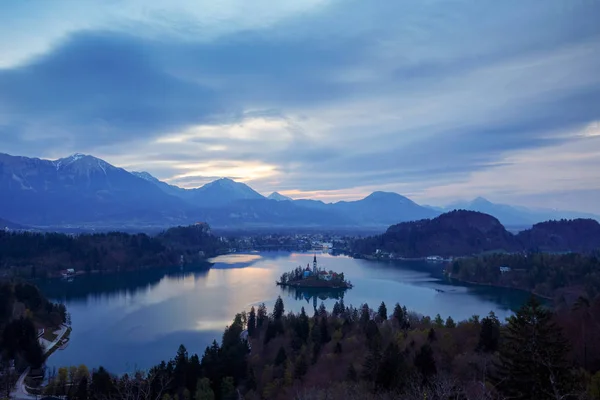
313, 295
128, 284
141, 318
236, 259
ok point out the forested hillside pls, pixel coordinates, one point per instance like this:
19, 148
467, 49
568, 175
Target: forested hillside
465, 233
578, 235
454, 233
349, 353
23, 310
550, 275
43, 253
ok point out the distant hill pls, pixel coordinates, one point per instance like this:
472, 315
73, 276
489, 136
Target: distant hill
452, 234
51, 252
256, 213
579, 235
513, 215
4, 224
463, 233
382, 208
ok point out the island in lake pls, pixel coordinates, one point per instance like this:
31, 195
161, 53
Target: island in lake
314, 278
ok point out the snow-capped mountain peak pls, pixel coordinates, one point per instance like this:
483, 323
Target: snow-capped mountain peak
82, 162
278, 197
145, 176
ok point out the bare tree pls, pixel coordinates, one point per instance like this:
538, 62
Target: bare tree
141, 386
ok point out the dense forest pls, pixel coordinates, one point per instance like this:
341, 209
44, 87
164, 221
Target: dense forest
23, 310
41, 253
465, 233
560, 276
359, 353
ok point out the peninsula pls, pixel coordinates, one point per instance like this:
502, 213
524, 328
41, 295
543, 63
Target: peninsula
314, 278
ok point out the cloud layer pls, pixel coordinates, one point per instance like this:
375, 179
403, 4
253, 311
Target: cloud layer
434, 99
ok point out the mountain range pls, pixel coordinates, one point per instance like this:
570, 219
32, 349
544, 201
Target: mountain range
85, 191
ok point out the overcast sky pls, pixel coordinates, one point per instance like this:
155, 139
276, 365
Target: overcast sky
438, 100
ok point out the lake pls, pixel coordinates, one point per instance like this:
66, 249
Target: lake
135, 320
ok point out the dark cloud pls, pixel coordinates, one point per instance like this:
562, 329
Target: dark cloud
100, 88
467, 82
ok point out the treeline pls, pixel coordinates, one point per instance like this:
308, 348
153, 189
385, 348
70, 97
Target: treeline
358, 353
551, 275
41, 253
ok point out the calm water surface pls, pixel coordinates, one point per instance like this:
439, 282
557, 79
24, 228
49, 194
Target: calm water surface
135, 320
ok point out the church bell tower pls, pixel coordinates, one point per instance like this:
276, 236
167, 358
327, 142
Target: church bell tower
315, 271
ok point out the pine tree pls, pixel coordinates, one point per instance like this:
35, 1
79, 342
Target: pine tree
82, 389
251, 380
390, 368
303, 326
431, 336
336, 310
533, 357
181, 362
271, 332
373, 335
228, 389
288, 374
261, 315
398, 314
301, 366
425, 362
315, 338
322, 310
342, 307
281, 356
489, 335
382, 311
203, 390
251, 322
324, 331
279, 309
438, 321
406, 322
450, 323
338, 348
365, 315
352, 375
370, 368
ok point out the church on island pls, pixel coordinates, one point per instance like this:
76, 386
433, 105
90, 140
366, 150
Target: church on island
318, 273
315, 277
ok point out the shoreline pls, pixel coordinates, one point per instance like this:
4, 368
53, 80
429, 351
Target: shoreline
500, 286
533, 292
300, 286
21, 391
